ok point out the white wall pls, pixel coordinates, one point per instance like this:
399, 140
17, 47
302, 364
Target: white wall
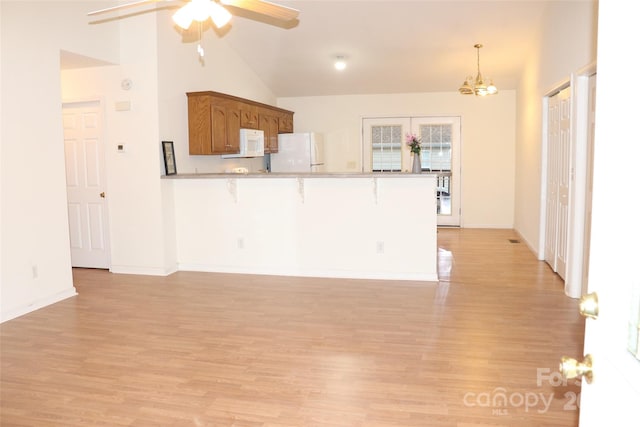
35, 262
567, 42
34, 212
488, 140
286, 226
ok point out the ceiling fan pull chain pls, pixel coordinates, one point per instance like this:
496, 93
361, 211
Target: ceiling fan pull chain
200, 48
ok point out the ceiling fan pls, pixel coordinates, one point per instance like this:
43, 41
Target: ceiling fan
201, 10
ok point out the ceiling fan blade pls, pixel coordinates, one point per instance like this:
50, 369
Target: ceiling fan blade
121, 6
264, 8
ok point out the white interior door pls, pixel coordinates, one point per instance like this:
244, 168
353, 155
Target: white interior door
551, 213
564, 167
86, 193
614, 393
558, 178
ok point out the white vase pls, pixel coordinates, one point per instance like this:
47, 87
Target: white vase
417, 164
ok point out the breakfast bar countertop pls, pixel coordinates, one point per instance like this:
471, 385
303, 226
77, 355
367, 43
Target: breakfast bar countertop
299, 175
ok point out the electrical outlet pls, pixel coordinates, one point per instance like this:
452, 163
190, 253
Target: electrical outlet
240, 243
380, 247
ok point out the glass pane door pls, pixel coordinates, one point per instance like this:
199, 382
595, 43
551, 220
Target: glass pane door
440, 142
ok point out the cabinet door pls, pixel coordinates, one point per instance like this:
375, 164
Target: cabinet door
285, 123
273, 134
234, 118
219, 142
269, 125
248, 117
200, 125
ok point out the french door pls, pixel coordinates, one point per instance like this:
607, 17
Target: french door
385, 150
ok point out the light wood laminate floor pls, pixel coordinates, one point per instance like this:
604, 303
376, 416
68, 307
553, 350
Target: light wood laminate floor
481, 347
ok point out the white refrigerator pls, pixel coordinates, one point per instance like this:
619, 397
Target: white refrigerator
299, 152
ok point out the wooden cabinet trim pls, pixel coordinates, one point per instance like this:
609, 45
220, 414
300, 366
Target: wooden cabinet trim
238, 99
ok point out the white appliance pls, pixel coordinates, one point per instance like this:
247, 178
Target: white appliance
299, 152
251, 144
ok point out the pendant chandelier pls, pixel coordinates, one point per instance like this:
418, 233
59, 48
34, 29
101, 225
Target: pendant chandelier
478, 86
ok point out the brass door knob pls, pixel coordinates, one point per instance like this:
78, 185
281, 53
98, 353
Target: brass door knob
589, 305
102, 194
571, 368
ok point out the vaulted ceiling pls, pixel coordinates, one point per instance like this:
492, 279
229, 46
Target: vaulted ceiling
390, 46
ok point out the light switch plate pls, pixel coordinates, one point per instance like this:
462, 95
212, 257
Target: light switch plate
123, 106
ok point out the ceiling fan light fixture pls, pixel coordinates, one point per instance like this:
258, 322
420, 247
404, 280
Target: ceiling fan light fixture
182, 17
200, 9
219, 15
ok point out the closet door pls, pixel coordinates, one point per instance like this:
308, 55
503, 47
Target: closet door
558, 176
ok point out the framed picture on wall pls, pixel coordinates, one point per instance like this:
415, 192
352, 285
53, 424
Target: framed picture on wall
169, 158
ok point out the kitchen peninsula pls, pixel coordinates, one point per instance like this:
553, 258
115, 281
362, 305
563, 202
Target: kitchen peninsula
365, 225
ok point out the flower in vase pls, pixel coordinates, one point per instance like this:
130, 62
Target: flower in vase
413, 142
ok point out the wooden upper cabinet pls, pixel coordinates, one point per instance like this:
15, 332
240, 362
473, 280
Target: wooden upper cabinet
215, 120
214, 128
285, 123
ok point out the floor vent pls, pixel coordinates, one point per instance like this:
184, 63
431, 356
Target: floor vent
514, 241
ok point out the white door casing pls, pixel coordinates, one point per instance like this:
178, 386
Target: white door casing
86, 192
614, 393
589, 182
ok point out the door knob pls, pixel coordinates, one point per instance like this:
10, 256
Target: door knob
571, 368
589, 305
102, 194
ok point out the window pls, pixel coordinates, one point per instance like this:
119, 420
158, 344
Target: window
386, 148
436, 147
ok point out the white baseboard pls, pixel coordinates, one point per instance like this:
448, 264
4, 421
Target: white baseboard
37, 304
143, 271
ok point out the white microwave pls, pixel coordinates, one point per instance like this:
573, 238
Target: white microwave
251, 144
